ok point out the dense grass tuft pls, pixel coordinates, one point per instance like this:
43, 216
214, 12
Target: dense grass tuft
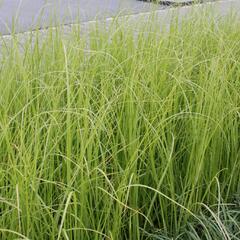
124, 133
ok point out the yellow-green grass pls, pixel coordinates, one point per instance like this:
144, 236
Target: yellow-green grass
122, 133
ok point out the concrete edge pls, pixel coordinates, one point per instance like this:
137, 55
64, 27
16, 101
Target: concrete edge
221, 8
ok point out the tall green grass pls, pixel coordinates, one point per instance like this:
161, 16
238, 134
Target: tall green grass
122, 133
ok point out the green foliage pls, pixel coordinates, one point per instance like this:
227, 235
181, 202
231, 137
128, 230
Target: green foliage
123, 133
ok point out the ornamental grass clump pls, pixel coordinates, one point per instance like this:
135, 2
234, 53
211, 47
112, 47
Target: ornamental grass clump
123, 132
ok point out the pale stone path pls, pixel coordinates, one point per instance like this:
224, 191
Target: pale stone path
30, 14
25, 15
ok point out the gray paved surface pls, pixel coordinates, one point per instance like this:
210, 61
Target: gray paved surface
28, 13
